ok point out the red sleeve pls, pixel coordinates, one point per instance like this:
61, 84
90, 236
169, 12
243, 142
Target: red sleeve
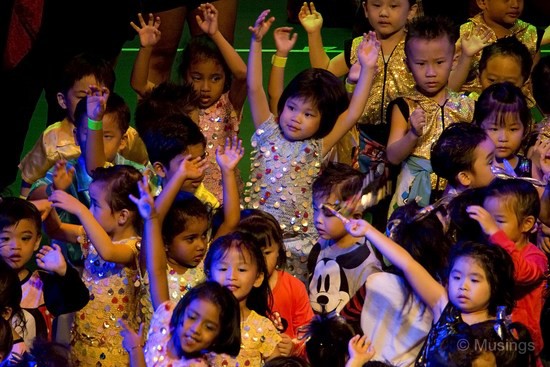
530, 264
304, 312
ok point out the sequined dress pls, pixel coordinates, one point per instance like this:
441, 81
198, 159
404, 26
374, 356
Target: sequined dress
259, 338
281, 174
96, 339
218, 122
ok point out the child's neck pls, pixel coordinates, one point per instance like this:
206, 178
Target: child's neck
245, 311
273, 279
476, 317
345, 242
438, 97
123, 233
177, 267
388, 44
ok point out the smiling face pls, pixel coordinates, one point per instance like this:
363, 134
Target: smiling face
200, 326
18, 243
468, 288
300, 119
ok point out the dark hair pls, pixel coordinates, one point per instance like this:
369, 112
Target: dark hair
339, 179
116, 105
260, 297
430, 28
165, 99
186, 206
172, 136
324, 90
500, 99
14, 209
85, 64
266, 229
522, 197
540, 81
199, 49
508, 46
329, 335
121, 181
498, 267
229, 338
287, 361
6, 338
11, 294
461, 226
453, 152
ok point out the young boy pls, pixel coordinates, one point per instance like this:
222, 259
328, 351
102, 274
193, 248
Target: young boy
510, 210
57, 141
417, 119
339, 263
463, 155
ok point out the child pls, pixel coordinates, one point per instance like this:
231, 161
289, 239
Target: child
46, 294
218, 75
339, 263
57, 141
480, 279
237, 263
290, 298
463, 155
288, 153
502, 111
110, 236
540, 80
497, 18
510, 210
418, 119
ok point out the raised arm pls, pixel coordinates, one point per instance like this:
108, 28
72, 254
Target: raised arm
228, 157
259, 106
149, 36
209, 25
403, 138
284, 42
153, 246
312, 21
367, 53
94, 151
427, 288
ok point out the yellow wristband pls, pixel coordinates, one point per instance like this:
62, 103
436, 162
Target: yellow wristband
95, 125
350, 87
278, 61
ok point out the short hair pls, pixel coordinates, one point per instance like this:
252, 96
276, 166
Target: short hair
540, 80
165, 99
339, 179
85, 64
229, 338
172, 136
508, 46
522, 197
324, 90
453, 151
430, 28
14, 209
186, 206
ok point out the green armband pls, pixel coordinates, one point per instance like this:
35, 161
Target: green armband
95, 125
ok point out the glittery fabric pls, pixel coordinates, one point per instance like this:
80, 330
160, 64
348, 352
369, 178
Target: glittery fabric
525, 32
259, 338
543, 128
178, 286
281, 175
96, 339
218, 122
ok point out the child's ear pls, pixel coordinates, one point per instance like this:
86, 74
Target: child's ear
259, 280
159, 169
37, 243
123, 217
7, 312
123, 142
527, 224
464, 178
412, 12
61, 101
455, 59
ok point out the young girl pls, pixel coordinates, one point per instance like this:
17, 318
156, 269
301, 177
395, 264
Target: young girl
237, 263
502, 111
287, 155
480, 279
290, 304
110, 237
218, 75
417, 119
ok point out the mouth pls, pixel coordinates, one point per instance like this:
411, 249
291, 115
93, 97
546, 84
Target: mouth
292, 128
232, 288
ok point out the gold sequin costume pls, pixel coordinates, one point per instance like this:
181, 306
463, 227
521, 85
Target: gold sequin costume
259, 338
457, 107
218, 122
523, 31
96, 339
281, 175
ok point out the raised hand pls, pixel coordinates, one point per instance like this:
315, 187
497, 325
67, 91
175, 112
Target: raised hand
368, 50
63, 175
149, 33
96, 102
208, 23
284, 39
130, 338
229, 155
61, 199
50, 258
261, 26
360, 351
311, 19
192, 168
484, 218
145, 202
474, 42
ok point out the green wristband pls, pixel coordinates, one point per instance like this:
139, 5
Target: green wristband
95, 125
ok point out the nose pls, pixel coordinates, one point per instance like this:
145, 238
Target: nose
205, 85
502, 135
201, 244
231, 274
195, 327
430, 70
